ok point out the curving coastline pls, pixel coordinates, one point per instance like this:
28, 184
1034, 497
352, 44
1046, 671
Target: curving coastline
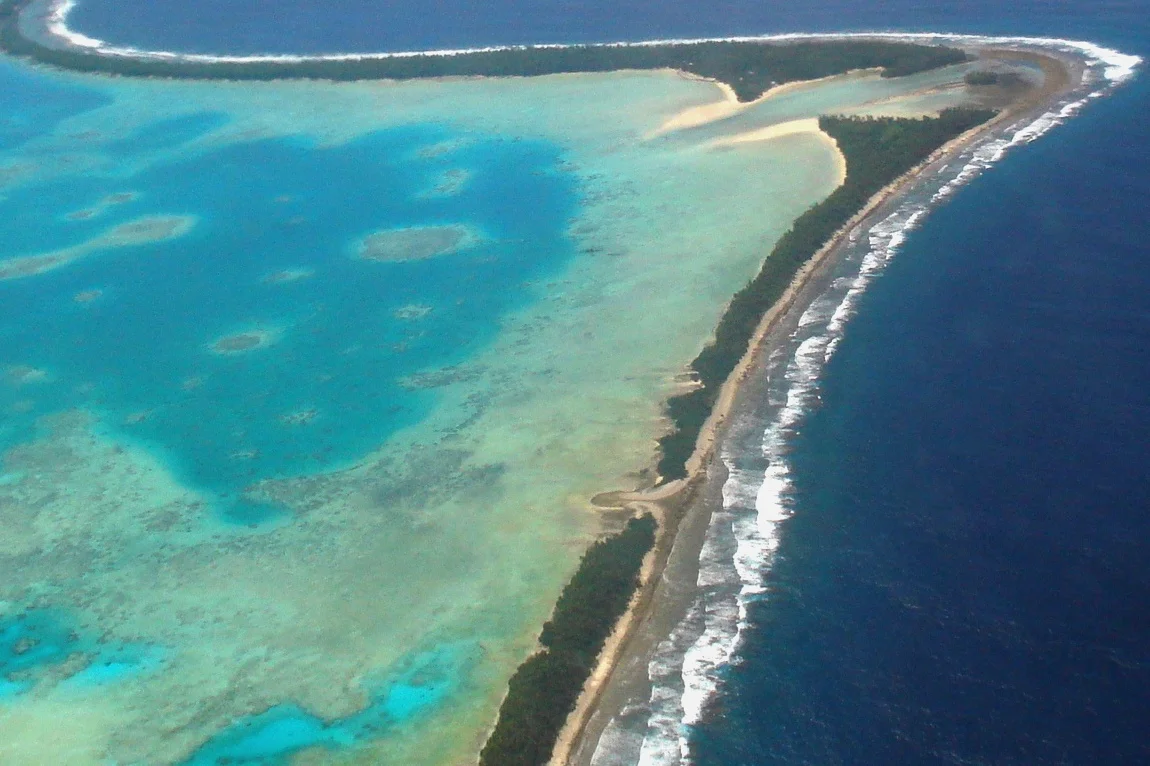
750, 67
680, 494
1076, 73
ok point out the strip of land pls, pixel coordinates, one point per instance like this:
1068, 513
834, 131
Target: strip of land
749, 68
686, 503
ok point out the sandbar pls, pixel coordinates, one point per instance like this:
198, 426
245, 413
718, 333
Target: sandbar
808, 126
729, 104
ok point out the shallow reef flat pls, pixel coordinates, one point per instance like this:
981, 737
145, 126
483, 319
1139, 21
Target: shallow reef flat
245, 341
415, 243
141, 231
338, 548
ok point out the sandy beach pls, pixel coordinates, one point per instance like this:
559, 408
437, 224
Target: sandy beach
684, 507
729, 105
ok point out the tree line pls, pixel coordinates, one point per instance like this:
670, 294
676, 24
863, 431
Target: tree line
878, 150
544, 689
750, 68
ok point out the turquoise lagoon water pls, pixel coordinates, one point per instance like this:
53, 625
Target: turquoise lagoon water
268, 500
126, 333
349, 332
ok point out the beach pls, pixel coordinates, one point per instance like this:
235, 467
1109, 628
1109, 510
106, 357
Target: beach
621, 681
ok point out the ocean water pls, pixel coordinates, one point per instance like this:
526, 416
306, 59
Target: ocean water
263, 26
929, 550
957, 509
946, 564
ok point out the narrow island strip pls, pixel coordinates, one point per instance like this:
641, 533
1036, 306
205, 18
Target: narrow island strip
545, 689
28, 28
886, 159
554, 694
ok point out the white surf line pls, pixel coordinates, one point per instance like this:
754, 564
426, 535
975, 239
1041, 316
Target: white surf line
1119, 66
756, 502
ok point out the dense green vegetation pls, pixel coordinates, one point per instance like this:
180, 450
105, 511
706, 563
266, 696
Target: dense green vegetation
981, 77
545, 688
749, 67
877, 150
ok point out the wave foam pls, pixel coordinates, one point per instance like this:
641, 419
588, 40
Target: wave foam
1115, 66
744, 535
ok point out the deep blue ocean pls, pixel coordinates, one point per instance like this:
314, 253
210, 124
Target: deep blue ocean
965, 577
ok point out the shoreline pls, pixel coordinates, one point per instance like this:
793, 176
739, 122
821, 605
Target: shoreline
57, 13
54, 17
685, 503
659, 604
675, 499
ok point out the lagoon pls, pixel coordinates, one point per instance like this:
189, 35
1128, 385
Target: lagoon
270, 498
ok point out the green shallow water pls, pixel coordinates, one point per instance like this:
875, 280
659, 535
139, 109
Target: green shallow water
270, 496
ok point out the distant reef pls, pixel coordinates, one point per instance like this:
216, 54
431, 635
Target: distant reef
749, 67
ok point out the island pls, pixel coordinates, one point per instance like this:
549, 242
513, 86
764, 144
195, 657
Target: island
560, 699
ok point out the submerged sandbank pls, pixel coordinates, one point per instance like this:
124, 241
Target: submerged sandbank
415, 243
146, 230
245, 342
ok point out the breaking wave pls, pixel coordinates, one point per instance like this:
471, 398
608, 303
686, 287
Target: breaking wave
686, 670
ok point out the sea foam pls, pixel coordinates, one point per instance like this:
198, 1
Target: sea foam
686, 671
1115, 65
